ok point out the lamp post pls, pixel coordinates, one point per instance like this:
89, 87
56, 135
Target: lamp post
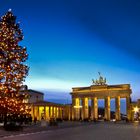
136, 113
136, 109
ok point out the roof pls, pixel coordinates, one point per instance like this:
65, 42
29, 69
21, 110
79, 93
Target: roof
38, 92
122, 86
47, 103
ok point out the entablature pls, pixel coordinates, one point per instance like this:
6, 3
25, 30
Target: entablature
102, 91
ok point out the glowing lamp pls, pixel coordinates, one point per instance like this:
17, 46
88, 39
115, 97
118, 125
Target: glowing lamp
136, 109
78, 106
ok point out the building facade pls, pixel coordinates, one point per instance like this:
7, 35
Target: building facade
82, 95
80, 108
40, 109
100, 90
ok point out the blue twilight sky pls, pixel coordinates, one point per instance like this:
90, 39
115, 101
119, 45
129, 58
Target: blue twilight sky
69, 41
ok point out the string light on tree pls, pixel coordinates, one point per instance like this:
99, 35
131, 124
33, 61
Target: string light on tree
12, 68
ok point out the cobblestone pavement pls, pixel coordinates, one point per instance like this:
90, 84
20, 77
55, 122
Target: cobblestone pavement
85, 131
39, 128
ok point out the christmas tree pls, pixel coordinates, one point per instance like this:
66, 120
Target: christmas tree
12, 68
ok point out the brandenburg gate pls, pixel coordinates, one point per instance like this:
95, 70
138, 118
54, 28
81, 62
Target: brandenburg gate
99, 90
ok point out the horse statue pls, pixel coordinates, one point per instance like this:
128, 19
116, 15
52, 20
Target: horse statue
100, 81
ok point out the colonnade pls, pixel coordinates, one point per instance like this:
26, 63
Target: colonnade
80, 108
46, 112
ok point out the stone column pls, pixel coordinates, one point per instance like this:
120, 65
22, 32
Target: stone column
59, 112
69, 111
117, 104
49, 111
44, 112
73, 109
132, 112
107, 108
92, 109
56, 116
52, 112
38, 113
128, 111
95, 108
85, 114
83, 109
35, 112
77, 108
32, 112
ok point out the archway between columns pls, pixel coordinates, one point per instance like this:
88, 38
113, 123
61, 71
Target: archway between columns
123, 108
101, 109
112, 109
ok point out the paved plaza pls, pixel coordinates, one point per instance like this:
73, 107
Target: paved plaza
87, 131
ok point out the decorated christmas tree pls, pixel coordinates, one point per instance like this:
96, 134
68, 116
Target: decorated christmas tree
12, 68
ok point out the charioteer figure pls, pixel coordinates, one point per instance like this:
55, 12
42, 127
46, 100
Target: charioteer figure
100, 81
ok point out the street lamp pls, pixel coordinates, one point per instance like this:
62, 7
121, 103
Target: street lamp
136, 113
136, 109
77, 106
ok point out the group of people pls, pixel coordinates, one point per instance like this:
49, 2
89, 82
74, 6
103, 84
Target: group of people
21, 119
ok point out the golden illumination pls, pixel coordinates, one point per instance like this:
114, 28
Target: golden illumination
77, 101
136, 109
79, 106
13, 71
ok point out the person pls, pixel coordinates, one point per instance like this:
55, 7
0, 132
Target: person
30, 119
35, 120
